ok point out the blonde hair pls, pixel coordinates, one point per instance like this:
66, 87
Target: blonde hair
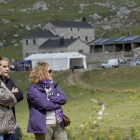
39, 72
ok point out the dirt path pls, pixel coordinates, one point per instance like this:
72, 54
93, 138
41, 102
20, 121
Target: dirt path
71, 78
75, 79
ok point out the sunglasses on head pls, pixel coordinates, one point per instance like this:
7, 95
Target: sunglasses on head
50, 71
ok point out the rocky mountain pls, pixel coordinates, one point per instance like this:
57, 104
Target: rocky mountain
109, 17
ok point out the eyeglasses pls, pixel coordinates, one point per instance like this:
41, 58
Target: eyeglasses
50, 71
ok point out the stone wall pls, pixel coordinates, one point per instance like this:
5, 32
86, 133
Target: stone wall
79, 46
103, 56
137, 52
82, 33
32, 48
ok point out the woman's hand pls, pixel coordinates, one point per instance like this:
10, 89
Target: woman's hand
14, 90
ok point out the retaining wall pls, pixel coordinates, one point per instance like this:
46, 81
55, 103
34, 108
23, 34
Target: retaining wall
103, 56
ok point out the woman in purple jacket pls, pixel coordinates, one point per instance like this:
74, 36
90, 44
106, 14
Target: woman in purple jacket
45, 98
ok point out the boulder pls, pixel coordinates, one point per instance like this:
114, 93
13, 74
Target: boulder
106, 28
39, 25
4, 41
28, 28
11, 10
40, 5
96, 16
1, 44
5, 21
16, 44
16, 35
22, 25
16, 26
80, 11
82, 5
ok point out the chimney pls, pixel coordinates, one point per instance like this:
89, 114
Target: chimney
61, 41
84, 19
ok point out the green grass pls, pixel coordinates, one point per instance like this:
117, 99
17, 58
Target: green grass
121, 117
119, 78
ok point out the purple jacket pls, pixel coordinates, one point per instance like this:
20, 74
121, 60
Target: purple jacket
38, 105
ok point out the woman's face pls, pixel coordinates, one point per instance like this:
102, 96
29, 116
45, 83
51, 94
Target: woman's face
49, 74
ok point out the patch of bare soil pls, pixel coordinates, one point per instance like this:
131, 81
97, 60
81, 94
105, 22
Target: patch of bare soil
75, 79
115, 70
71, 79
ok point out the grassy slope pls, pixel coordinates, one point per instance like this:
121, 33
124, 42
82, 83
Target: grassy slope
120, 78
121, 108
40, 17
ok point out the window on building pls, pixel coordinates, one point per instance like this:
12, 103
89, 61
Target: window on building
26, 54
78, 29
34, 41
26, 42
86, 38
43, 52
80, 51
71, 29
71, 37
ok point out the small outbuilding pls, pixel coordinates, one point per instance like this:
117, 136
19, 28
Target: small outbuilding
60, 61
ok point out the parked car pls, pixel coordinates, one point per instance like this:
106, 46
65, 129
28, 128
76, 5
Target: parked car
131, 61
111, 63
138, 62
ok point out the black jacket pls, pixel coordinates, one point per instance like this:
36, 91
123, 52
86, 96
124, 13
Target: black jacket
10, 84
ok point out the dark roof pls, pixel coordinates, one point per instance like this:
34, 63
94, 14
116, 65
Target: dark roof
128, 39
71, 24
117, 40
105, 41
42, 34
55, 43
91, 42
137, 40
